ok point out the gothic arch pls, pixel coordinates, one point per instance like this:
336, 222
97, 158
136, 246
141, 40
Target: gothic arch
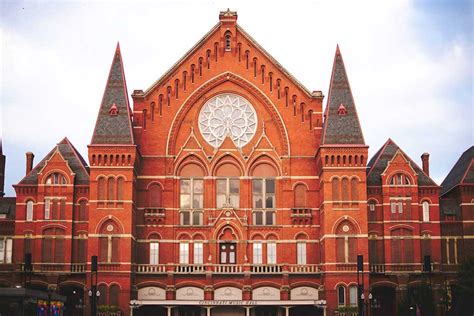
227, 158
214, 82
105, 219
191, 159
220, 230
344, 218
262, 159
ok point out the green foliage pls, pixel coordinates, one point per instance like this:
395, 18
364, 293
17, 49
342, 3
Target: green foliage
419, 295
463, 289
107, 309
347, 309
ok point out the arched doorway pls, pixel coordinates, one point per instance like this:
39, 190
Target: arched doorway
383, 301
74, 305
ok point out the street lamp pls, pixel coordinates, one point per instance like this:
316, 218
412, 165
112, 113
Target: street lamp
134, 305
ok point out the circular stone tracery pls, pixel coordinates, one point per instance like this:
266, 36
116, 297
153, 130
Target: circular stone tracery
227, 115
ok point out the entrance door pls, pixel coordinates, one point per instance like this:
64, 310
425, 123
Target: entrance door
228, 253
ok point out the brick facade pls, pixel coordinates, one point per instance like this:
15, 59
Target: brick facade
270, 217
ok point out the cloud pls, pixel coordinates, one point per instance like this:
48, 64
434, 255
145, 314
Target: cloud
410, 81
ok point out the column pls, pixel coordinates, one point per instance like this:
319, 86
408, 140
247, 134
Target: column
208, 310
287, 310
169, 310
247, 310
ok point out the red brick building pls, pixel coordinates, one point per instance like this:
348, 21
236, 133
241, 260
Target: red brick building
227, 190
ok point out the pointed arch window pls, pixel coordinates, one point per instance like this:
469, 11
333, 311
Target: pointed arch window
345, 189
228, 42
335, 190
341, 295
120, 184
101, 189
29, 211
110, 187
426, 211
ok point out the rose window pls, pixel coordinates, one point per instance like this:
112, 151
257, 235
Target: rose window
228, 115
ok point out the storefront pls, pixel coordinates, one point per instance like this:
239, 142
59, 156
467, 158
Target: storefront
27, 302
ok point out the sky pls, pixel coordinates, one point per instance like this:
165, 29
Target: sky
410, 64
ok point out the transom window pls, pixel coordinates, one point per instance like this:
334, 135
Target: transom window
55, 179
264, 193
400, 179
228, 192
191, 193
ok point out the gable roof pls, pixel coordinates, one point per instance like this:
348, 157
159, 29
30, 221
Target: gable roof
341, 129
379, 162
114, 129
204, 39
73, 158
462, 172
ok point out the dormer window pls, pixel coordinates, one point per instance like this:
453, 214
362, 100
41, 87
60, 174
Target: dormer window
227, 42
56, 179
341, 110
400, 179
113, 111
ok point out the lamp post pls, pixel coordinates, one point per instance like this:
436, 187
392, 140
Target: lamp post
133, 305
94, 294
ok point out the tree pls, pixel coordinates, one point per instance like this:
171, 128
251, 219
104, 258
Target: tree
463, 290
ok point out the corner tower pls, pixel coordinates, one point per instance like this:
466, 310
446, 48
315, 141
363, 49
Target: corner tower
342, 157
113, 157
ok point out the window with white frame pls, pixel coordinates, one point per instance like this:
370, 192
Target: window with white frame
396, 207
257, 253
353, 295
6, 250
263, 193
191, 201
264, 217
228, 192
56, 179
341, 295
184, 253
301, 253
198, 253
47, 208
426, 211
29, 211
271, 252
154, 253
400, 179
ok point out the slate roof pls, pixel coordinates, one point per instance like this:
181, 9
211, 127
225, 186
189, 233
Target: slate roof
462, 172
77, 164
379, 161
8, 207
341, 129
114, 129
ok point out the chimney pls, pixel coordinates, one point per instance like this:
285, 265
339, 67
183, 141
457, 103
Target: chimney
29, 161
425, 159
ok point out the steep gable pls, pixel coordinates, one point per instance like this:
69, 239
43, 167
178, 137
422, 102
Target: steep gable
113, 125
73, 159
379, 162
462, 172
341, 125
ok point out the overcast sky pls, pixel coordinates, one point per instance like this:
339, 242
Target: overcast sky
410, 64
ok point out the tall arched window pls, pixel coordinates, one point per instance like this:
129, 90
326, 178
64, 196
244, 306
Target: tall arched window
263, 193
81, 211
346, 242
228, 186
300, 196
102, 299
120, 184
227, 42
101, 189
335, 190
29, 211
109, 242
111, 189
341, 295
154, 195
354, 190
426, 211
191, 195
345, 189
53, 246
402, 245
114, 292
353, 295
425, 245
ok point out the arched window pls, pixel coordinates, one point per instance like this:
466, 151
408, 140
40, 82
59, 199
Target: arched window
101, 189
114, 292
29, 211
353, 295
425, 245
102, 299
228, 185
144, 127
341, 295
55, 179
372, 213
227, 42
346, 242
52, 246
110, 188
345, 189
263, 193
426, 211
154, 195
400, 179
335, 190
300, 196
191, 195
402, 246
152, 111
120, 183
354, 190
109, 242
